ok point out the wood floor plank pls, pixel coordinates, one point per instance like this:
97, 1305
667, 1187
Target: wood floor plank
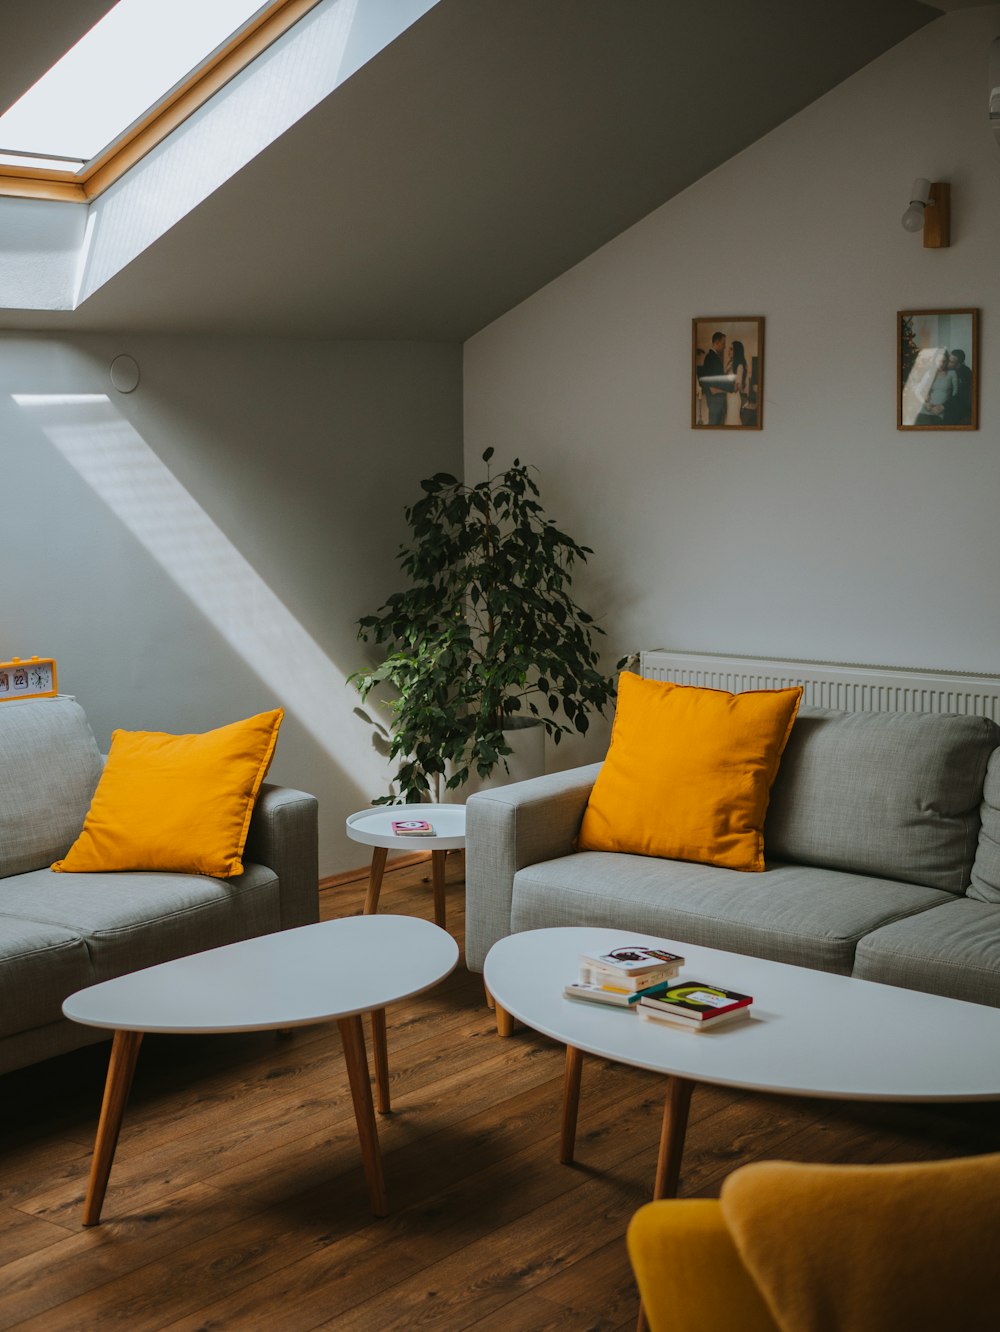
532, 1313
22, 1235
596, 1292
35, 1283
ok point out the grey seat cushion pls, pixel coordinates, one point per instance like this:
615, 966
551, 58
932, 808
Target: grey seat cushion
894, 795
40, 965
791, 913
130, 921
49, 769
953, 950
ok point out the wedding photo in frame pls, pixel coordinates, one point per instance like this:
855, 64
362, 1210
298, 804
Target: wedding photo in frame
727, 378
937, 370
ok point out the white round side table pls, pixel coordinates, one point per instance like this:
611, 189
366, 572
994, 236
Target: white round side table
373, 827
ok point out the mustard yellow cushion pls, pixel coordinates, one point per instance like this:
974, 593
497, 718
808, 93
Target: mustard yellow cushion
180, 803
689, 771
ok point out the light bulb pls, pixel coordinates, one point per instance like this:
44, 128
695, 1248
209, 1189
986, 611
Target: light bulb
913, 218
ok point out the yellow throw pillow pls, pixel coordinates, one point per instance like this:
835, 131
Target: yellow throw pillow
688, 775
180, 803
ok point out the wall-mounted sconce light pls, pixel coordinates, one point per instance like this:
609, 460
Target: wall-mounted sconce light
930, 212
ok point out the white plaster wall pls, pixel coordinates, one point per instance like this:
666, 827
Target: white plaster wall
829, 534
41, 243
168, 545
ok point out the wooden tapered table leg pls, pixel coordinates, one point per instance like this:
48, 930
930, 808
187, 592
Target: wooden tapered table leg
490, 1001
437, 876
353, 1038
379, 854
571, 1104
505, 1023
381, 1057
675, 1118
121, 1067
668, 1163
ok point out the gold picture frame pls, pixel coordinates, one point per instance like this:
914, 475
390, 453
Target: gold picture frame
727, 373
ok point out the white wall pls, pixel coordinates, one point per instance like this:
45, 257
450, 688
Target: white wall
830, 534
201, 549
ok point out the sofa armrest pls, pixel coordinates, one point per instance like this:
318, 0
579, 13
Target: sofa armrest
689, 1269
284, 836
507, 828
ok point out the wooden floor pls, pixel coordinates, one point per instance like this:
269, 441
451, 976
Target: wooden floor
237, 1199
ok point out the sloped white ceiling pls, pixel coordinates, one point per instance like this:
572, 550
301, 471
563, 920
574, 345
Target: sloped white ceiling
486, 150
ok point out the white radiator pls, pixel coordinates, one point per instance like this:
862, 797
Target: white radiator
845, 688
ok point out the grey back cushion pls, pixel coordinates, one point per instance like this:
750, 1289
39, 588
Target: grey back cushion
49, 768
986, 869
890, 794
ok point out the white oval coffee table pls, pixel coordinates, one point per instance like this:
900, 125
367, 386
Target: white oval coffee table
333, 971
373, 827
811, 1033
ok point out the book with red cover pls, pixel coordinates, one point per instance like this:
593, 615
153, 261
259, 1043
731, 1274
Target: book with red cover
680, 1022
699, 1001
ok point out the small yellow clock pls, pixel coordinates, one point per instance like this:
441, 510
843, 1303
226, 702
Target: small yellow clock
34, 678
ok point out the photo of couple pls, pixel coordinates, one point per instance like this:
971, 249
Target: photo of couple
728, 373
937, 371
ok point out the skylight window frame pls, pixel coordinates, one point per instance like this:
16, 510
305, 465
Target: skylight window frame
161, 119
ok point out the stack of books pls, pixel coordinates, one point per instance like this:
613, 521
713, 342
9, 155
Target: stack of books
694, 1005
625, 975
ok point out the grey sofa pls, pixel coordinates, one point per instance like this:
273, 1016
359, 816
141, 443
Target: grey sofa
60, 932
882, 842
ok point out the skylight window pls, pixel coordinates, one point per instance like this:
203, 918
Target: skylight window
138, 74
125, 66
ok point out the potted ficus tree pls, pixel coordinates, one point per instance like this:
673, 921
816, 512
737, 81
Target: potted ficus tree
486, 636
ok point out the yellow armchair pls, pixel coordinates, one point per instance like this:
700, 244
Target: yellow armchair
816, 1248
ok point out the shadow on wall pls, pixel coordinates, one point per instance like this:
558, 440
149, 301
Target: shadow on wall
121, 468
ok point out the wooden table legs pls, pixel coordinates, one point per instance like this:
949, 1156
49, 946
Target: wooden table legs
121, 1067
381, 1056
437, 877
571, 1103
353, 1038
675, 1118
668, 1162
672, 1132
379, 854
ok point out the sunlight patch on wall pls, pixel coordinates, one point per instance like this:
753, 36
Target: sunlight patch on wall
116, 462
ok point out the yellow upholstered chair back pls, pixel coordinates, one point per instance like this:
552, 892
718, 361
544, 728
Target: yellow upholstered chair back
816, 1248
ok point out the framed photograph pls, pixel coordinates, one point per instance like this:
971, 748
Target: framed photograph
937, 370
727, 378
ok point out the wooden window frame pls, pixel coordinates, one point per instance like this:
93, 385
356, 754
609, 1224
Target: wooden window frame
140, 138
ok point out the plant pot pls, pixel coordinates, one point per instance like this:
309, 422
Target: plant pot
526, 738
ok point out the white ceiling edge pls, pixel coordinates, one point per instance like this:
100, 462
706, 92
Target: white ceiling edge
53, 256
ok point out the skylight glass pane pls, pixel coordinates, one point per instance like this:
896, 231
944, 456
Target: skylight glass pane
48, 163
117, 72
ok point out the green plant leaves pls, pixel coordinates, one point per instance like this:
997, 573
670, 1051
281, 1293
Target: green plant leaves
487, 629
